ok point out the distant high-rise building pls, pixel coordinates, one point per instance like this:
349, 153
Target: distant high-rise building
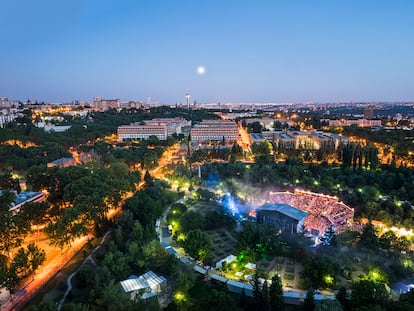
104, 104
368, 113
4, 102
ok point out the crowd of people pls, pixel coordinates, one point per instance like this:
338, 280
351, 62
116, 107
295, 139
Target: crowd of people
323, 210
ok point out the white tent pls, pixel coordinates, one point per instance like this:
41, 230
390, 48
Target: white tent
147, 283
228, 259
250, 266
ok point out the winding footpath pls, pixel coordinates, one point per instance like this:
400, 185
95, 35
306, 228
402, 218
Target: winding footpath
89, 258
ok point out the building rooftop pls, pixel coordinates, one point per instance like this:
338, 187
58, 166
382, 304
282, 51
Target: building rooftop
61, 160
337, 136
147, 281
284, 209
200, 270
321, 135
257, 136
218, 278
284, 136
23, 197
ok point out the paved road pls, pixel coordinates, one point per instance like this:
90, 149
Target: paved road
29, 288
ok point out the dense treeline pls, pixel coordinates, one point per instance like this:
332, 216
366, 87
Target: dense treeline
14, 227
80, 196
357, 156
400, 140
78, 202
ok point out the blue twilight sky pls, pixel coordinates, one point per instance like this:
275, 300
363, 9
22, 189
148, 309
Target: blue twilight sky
253, 51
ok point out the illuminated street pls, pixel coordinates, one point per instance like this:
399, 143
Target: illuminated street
55, 261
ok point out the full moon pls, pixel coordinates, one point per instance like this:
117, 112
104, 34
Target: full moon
201, 70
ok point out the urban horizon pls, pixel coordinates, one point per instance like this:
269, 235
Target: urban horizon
194, 101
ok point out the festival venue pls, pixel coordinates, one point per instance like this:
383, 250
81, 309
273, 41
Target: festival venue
323, 211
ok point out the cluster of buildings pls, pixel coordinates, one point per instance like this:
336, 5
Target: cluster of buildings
12, 109
299, 139
359, 122
101, 104
162, 128
8, 111
225, 129
228, 132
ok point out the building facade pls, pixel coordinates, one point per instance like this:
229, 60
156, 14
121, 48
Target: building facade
215, 130
359, 122
312, 140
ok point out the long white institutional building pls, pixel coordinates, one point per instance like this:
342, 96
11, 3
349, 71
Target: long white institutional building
215, 130
160, 127
205, 131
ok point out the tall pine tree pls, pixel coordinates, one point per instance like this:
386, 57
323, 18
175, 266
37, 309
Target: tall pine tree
276, 294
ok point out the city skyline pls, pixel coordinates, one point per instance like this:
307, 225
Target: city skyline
232, 51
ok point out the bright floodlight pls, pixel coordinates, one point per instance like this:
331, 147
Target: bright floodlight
201, 70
